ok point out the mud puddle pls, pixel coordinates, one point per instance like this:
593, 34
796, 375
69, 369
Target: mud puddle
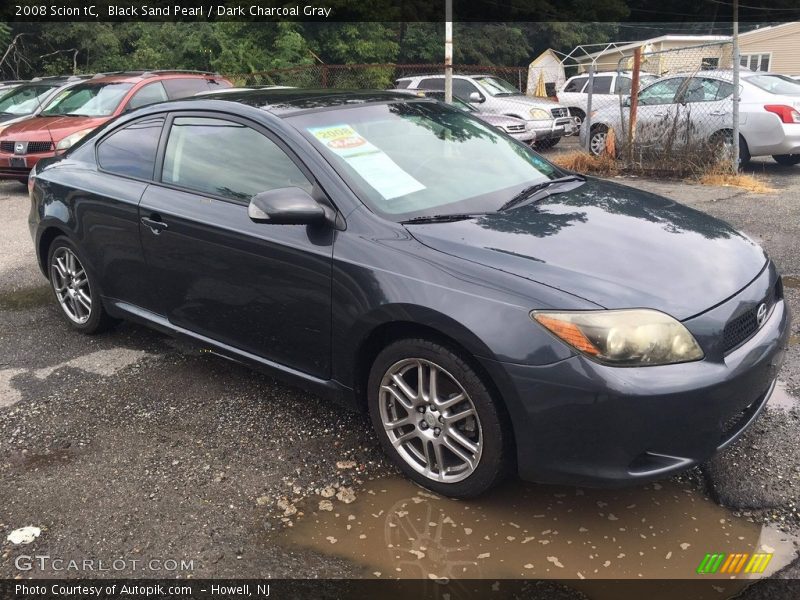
396, 530
781, 399
791, 281
26, 298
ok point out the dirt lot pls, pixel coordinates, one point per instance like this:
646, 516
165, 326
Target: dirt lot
133, 446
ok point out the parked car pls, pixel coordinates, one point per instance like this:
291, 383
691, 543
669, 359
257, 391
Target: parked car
517, 128
76, 111
606, 90
549, 120
698, 108
10, 83
487, 309
30, 98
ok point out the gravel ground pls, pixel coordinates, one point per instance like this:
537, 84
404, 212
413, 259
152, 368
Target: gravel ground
133, 445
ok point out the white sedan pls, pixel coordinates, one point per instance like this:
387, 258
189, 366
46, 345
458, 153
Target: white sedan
685, 109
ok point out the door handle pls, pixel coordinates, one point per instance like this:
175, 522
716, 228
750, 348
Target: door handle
718, 113
155, 224
659, 114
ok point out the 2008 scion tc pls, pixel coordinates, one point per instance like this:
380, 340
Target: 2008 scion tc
490, 312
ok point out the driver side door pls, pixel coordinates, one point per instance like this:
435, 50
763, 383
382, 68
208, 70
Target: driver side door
657, 119
264, 289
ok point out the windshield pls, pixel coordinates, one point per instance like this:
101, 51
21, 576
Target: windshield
774, 84
494, 86
88, 100
415, 159
24, 99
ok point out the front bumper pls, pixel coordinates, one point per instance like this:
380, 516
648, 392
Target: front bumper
18, 166
580, 422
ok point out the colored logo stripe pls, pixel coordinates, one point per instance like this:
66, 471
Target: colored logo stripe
733, 564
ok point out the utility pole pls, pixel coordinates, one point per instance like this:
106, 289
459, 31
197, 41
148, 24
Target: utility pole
448, 51
736, 67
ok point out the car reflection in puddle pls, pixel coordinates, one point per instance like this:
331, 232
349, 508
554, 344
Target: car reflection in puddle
661, 530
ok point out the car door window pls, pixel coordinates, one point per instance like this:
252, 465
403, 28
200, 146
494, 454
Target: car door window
463, 88
227, 159
576, 84
432, 83
601, 84
131, 151
149, 94
623, 85
704, 89
661, 92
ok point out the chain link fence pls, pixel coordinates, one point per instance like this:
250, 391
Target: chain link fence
497, 92
672, 110
367, 76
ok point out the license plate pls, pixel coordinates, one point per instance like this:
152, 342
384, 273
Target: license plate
17, 163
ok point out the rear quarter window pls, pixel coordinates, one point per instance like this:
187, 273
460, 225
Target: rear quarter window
131, 151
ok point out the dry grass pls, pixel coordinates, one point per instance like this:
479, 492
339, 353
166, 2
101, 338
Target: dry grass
583, 162
719, 173
739, 180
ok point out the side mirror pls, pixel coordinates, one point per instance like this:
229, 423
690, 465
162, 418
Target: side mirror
285, 206
476, 97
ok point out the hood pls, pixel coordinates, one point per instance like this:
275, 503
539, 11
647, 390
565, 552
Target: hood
38, 129
527, 101
499, 120
612, 245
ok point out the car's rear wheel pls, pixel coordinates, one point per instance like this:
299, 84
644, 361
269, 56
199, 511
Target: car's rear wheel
74, 288
436, 419
787, 160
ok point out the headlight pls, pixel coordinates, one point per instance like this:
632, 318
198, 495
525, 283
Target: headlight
73, 139
539, 114
637, 337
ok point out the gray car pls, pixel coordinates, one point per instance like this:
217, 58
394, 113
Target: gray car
517, 128
489, 94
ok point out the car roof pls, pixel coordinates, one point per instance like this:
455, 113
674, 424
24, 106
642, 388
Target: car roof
136, 76
291, 100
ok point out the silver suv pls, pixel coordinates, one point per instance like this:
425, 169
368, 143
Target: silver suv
489, 94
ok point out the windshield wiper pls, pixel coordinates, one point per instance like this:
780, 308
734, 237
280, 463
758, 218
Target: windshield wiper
442, 218
529, 194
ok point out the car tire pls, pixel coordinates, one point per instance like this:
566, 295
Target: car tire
577, 114
75, 288
421, 447
597, 140
786, 160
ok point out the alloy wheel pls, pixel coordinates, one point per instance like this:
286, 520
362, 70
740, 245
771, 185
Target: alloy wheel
430, 420
71, 285
598, 142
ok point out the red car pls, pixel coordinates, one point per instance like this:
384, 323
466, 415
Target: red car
76, 111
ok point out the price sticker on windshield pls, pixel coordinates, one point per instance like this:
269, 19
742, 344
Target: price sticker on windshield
369, 161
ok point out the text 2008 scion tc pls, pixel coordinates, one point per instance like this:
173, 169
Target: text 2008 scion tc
488, 310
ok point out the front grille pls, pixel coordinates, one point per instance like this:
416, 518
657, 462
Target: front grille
32, 148
740, 329
559, 112
516, 127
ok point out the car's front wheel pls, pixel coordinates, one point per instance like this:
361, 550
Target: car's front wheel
437, 420
74, 288
787, 160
